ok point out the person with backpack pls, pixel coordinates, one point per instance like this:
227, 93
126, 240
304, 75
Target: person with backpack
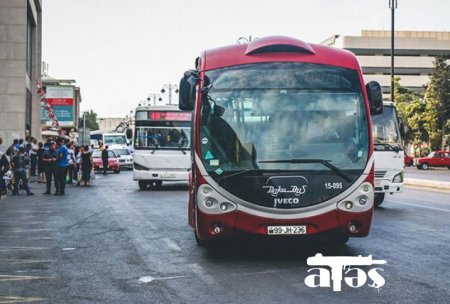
19, 163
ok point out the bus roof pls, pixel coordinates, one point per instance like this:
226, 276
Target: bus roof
171, 107
277, 48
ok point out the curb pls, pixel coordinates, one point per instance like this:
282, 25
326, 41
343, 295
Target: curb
424, 183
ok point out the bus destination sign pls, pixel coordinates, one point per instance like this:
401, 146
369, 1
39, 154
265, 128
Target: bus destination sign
171, 116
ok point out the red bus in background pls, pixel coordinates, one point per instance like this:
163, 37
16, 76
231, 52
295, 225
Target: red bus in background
281, 141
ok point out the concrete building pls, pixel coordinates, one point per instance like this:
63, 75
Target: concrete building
414, 55
65, 98
20, 67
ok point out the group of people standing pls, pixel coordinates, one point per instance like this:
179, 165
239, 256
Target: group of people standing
60, 161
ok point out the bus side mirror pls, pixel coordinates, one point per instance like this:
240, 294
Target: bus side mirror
375, 96
188, 86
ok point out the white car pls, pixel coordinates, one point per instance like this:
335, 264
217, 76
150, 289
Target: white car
125, 158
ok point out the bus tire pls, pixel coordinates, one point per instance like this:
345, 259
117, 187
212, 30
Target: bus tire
143, 184
338, 240
116, 171
158, 183
200, 242
379, 198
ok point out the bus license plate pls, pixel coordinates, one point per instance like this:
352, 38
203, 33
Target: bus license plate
286, 230
167, 175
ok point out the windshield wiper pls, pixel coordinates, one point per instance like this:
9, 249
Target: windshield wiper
242, 172
325, 162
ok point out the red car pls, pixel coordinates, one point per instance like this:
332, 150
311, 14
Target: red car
408, 160
113, 162
434, 159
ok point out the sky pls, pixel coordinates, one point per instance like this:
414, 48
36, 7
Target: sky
120, 52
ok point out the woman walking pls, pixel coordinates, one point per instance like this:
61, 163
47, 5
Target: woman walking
86, 165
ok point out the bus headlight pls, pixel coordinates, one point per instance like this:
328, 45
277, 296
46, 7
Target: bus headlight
211, 202
360, 200
363, 200
398, 178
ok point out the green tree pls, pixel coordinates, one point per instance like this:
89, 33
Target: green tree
91, 120
410, 107
437, 100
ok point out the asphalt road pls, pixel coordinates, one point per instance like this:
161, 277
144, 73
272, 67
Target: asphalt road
114, 244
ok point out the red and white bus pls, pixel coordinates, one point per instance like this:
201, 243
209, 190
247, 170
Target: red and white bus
282, 141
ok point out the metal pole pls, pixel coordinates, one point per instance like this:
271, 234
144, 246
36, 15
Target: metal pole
170, 94
392, 6
84, 128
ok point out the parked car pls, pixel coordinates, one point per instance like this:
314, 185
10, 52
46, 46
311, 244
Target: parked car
113, 161
408, 160
125, 158
434, 159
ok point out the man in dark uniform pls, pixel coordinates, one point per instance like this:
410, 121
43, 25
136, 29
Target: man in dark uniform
105, 159
49, 158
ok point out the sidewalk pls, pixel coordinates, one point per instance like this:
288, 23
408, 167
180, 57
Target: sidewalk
427, 184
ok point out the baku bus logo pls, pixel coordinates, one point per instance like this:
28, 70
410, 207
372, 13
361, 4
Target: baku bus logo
274, 188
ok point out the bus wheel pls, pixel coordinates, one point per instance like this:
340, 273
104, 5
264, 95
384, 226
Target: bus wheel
338, 240
379, 198
142, 184
158, 183
201, 243
116, 171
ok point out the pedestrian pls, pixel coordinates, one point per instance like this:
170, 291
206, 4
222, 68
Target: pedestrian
33, 156
105, 159
78, 152
1, 144
40, 163
12, 150
19, 163
70, 163
49, 158
86, 165
61, 167
4, 167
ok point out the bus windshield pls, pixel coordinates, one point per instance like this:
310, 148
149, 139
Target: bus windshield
283, 116
118, 139
386, 134
154, 131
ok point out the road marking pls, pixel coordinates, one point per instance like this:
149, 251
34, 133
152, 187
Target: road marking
19, 261
420, 206
23, 248
11, 230
199, 271
171, 244
12, 300
149, 279
21, 278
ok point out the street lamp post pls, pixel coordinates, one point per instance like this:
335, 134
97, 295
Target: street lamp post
392, 6
155, 97
170, 87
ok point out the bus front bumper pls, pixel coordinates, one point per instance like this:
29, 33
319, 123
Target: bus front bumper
161, 175
386, 186
214, 226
